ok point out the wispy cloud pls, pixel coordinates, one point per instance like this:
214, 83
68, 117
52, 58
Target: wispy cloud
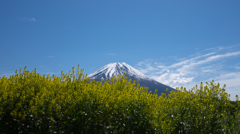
222, 48
170, 78
176, 58
189, 61
148, 67
229, 76
28, 19
186, 68
236, 66
200, 68
111, 54
32, 19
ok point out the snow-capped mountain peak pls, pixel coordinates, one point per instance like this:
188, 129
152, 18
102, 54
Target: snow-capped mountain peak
116, 69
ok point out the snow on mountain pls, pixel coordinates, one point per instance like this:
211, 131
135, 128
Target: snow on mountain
111, 69
116, 69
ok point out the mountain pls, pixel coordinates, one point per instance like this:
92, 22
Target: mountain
111, 69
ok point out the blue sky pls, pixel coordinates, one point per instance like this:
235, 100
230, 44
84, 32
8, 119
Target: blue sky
178, 43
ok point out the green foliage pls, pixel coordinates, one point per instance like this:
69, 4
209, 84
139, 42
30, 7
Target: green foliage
30, 103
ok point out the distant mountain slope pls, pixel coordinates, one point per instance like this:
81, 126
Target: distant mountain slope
111, 69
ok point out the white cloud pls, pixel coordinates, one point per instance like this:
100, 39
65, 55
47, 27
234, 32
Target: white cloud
111, 54
222, 48
31, 19
190, 60
28, 19
173, 79
236, 66
161, 66
143, 70
231, 82
148, 67
229, 75
207, 70
176, 58
187, 68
